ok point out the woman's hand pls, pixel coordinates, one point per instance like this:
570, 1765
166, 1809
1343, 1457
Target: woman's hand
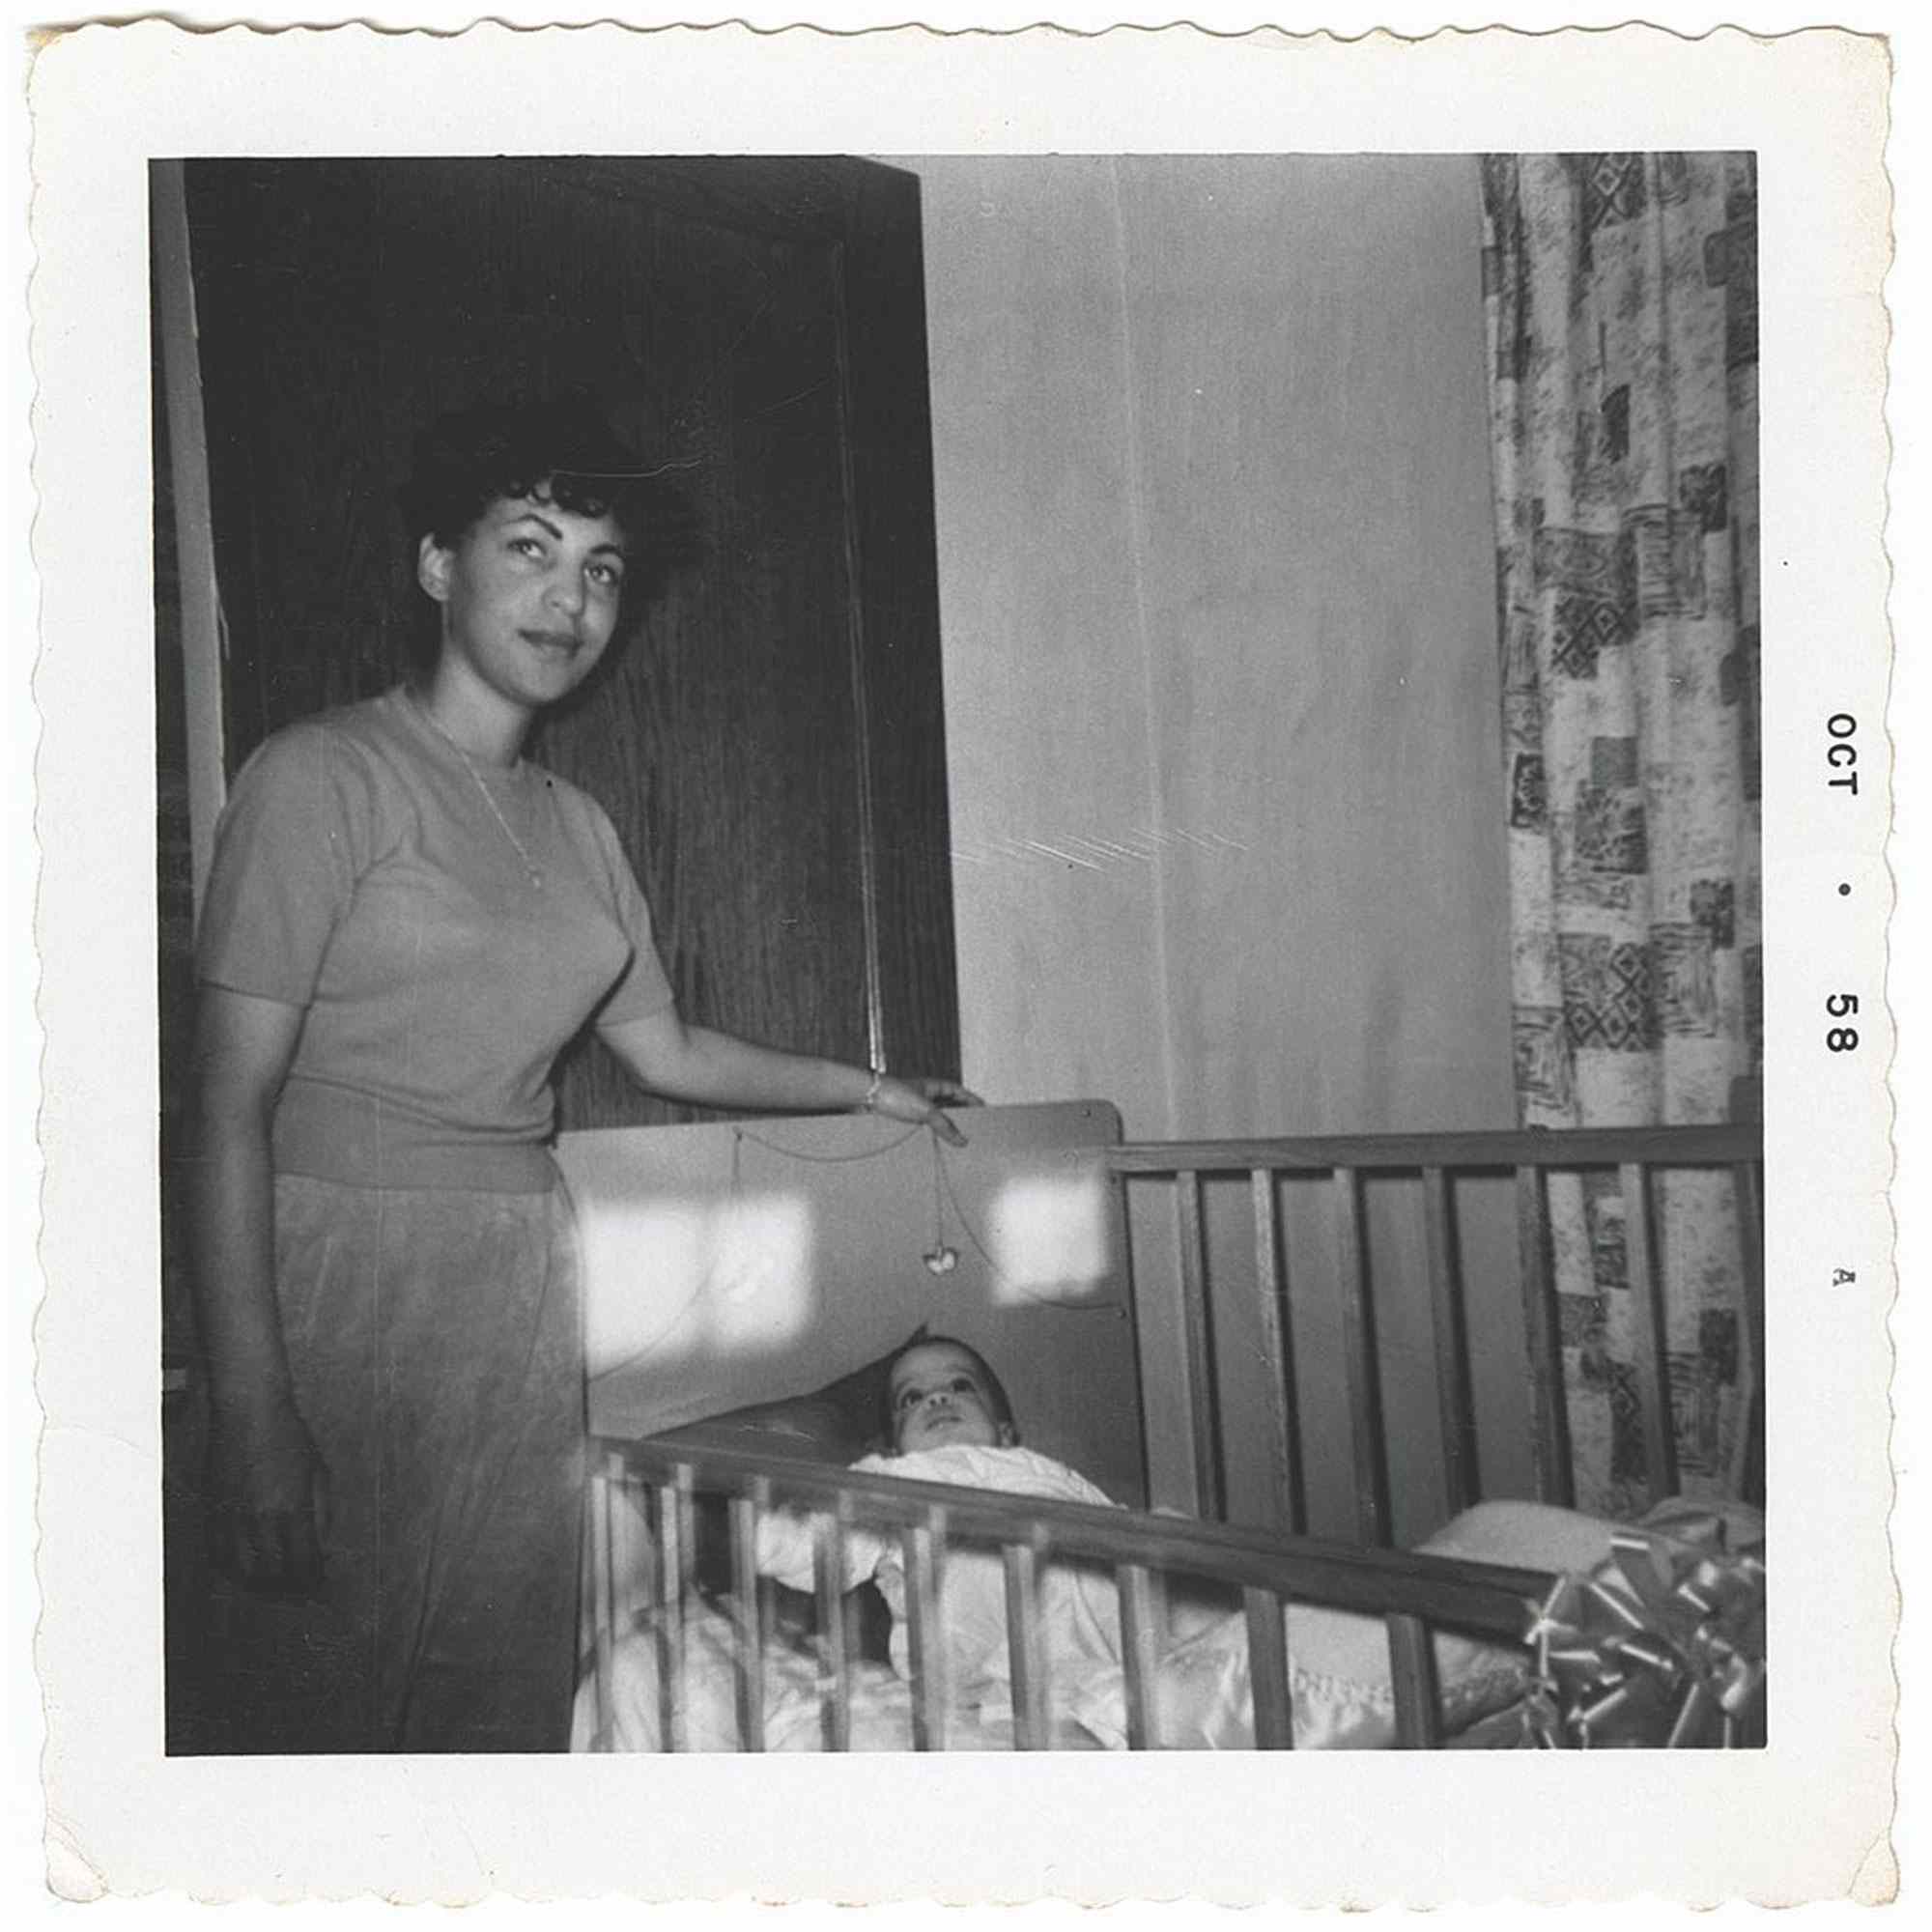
268, 1497
918, 1102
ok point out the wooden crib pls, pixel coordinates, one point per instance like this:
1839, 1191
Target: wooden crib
650, 1501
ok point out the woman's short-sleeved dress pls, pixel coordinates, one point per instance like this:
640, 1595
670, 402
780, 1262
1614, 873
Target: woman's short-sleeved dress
445, 927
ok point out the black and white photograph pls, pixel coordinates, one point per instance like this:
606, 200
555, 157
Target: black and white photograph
960, 952
1236, 555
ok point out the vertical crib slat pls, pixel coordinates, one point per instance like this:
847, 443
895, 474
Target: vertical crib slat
604, 1488
1139, 1654
1746, 1181
1554, 1481
1024, 1649
1418, 1713
1358, 1346
748, 1649
1201, 1417
921, 1546
1649, 1347
1452, 1363
828, 1553
1277, 1348
1267, 1670
674, 1568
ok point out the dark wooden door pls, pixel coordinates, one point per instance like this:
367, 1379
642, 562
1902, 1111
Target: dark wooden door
770, 741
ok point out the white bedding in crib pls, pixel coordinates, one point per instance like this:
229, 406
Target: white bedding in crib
881, 1700
1202, 1701
1338, 1668
1338, 1664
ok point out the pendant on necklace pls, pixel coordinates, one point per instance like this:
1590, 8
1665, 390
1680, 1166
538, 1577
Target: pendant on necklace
531, 870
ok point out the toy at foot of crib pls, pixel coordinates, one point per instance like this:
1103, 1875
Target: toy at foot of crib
1663, 1645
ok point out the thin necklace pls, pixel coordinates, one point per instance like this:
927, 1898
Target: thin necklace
531, 870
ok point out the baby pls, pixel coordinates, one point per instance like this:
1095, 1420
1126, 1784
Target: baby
950, 1420
940, 1390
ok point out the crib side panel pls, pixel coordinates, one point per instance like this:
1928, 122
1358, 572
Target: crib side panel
1281, 1290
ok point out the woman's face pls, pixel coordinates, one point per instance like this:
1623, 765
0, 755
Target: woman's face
938, 1395
530, 596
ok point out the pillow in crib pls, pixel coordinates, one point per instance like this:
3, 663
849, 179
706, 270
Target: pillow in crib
837, 1424
1340, 1663
1339, 1685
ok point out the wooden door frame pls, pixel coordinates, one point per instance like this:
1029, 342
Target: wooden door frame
173, 285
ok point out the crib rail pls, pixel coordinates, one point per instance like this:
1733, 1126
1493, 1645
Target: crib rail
1414, 1595
1637, 1154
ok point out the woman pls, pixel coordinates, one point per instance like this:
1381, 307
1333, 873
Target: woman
404, 924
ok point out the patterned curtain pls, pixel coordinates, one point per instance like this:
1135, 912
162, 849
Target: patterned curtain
1620, 291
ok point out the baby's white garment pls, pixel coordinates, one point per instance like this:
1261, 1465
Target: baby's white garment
1079, 1614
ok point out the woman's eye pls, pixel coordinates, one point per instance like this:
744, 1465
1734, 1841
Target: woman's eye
608, 575
527, 546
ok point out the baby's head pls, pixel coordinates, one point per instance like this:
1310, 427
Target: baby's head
939, 1391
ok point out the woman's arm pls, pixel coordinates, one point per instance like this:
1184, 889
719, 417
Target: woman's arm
264, 1479
717, 1069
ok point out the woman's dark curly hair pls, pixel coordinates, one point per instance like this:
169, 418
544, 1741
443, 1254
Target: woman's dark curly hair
559, 448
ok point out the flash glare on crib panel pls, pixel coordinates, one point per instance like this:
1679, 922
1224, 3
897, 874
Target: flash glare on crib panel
744, 1266
1047, 1235
1048, 1243
740, 1272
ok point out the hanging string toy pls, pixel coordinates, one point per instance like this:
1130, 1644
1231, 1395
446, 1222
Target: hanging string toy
942, 1258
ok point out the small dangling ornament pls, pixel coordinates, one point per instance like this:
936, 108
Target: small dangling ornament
942, 1258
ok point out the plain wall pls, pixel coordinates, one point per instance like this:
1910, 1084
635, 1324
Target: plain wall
1217, 587
1217, 559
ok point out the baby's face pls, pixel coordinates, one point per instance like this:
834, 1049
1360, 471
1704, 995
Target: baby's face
939, 1396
